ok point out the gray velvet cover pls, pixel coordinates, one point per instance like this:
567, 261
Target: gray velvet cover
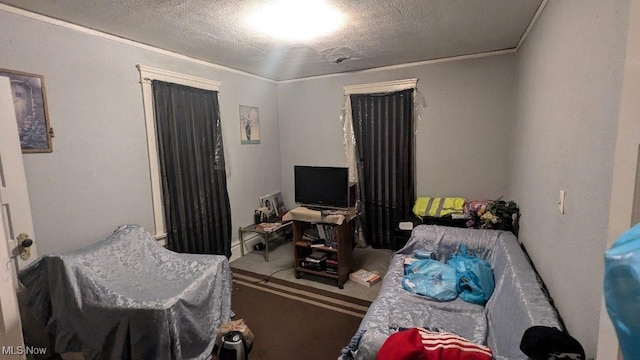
127, 297
517, 303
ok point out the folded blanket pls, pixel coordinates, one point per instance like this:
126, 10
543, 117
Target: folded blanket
326, 216
438, 206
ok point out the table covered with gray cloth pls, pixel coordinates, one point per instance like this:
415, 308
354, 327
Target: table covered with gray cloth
127, 297
517, 303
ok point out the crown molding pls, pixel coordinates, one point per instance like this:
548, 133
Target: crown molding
148, 73
103, 35
532, 23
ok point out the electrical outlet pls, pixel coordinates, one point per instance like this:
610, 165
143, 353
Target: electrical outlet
561, 202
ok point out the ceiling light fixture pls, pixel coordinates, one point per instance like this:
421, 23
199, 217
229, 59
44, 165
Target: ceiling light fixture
296, 20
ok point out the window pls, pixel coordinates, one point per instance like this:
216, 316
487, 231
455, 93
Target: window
379, 131
147, 75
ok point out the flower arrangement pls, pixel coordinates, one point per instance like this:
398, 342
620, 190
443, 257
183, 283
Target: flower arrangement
492, 214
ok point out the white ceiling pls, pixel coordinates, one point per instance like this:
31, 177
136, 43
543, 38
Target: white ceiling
377, 32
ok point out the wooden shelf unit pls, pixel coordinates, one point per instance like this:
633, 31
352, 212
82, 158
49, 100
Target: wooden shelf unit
344, 251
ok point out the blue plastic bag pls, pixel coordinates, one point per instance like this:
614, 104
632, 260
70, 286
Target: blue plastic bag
424, 254
475, 277
622, 290
432, 279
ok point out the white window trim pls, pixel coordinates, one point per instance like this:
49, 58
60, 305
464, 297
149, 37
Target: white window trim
147, 74
381, 87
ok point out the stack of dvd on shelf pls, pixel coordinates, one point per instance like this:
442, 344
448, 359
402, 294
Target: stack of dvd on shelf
329, 234
310, 234
315, 261
332, 265
312, 237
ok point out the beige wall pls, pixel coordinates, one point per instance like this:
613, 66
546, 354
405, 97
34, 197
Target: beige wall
568, 95
462, 137
97, 176
625, 163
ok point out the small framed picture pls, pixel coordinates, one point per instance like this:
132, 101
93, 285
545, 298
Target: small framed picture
281, 207
30, 103
268, 202
249, 125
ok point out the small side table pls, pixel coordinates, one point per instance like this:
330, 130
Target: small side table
266, 236
400, 237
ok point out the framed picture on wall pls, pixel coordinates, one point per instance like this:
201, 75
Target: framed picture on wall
30, 103
249, 125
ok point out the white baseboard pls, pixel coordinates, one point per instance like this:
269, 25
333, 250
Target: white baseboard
249, 241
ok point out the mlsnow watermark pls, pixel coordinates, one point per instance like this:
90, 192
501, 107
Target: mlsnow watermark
23, 350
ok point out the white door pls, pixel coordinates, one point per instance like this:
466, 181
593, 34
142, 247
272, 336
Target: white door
11, 342
14, 196
15, 222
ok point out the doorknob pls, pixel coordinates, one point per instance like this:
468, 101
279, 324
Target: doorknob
24, 246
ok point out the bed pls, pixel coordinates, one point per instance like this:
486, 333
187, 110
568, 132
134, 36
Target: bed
127, 297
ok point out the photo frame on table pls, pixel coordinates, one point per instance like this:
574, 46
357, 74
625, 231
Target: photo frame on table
280, 205
249, 125
30, 103
268, 202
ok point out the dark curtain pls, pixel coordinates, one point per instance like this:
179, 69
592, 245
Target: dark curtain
383, 128
194, 183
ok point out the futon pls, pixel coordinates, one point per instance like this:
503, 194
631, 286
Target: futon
519, 300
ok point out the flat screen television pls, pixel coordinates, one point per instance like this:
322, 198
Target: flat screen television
321, 186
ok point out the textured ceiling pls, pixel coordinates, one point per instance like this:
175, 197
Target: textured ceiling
377, 32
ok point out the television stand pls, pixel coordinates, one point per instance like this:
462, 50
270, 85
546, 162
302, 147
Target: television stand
338, 249
329, 211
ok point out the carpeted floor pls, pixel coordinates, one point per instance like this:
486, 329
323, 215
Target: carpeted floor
280, 266
292, 322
